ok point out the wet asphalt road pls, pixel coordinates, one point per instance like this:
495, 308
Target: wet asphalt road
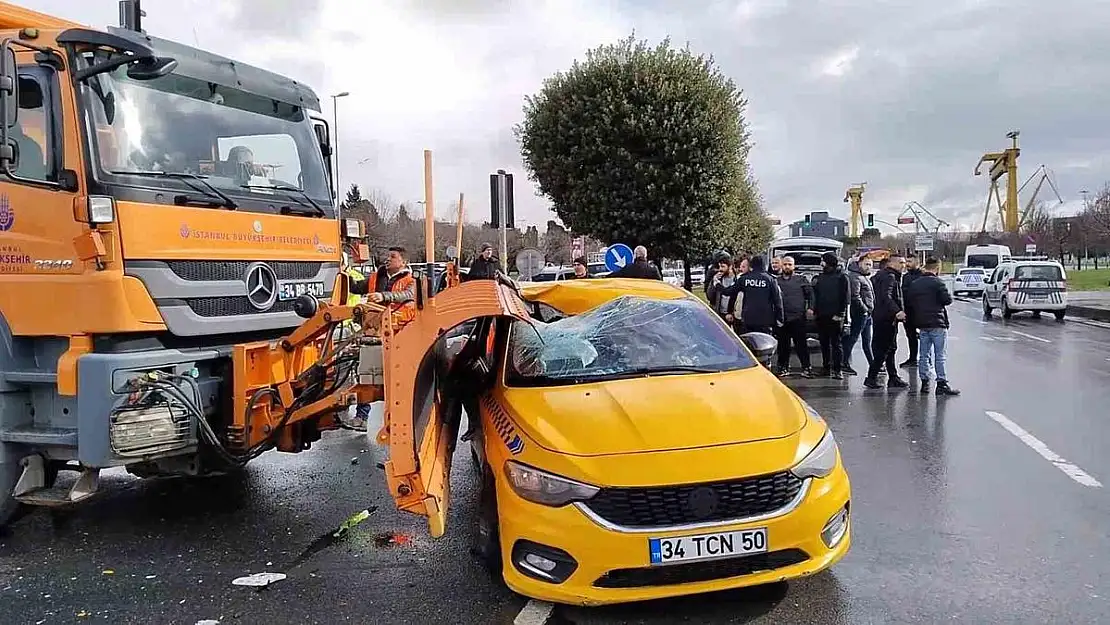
959, 517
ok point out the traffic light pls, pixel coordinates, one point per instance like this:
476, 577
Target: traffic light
870, 220
494, 201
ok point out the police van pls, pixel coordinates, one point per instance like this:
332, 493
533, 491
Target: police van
1034, 286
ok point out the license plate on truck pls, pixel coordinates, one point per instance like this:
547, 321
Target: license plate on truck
706, 546
293, 290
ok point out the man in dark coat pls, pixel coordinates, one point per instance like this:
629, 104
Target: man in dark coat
928, 299
640, 267
889, 312
797, 304
832, 297
911, 274
485, 267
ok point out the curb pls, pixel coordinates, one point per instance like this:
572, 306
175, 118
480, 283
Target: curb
1090, 312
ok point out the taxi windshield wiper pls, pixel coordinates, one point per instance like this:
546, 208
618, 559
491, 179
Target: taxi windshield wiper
208, 188
319, 211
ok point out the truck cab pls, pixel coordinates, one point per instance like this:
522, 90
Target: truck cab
159, 205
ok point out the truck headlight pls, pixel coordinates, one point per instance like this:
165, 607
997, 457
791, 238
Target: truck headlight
820, 462
545, 488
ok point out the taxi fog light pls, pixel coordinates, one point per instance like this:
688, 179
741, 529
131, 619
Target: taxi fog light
820, 462
545, 488
835, 529
543, 562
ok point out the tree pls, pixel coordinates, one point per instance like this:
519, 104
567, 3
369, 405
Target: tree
645, 145
556, 244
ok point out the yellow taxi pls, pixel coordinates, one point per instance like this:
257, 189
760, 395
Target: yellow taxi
632, 447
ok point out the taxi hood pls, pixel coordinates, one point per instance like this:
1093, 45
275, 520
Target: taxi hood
656, 413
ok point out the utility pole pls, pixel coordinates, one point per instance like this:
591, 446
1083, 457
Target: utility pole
335, 144
503, 216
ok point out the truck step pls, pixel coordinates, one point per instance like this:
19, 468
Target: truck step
31, 435
30, 377
31, 489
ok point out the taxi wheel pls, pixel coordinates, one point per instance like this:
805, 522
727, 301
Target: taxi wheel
487, 534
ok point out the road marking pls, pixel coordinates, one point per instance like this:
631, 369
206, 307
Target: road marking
1030, 336
985, 338
534, 613
1069, 469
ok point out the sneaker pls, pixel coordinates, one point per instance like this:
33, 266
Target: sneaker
782, 372
872, 383
896, 382
849, 371
807, 373
944, 389
924, 387
836, 375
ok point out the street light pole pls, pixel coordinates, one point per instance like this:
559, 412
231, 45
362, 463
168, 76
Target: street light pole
335, 146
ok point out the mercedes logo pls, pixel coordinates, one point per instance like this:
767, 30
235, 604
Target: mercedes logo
702, 502
262, 286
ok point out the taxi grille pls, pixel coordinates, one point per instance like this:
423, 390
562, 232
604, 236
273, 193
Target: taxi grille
693, 572
197, 270
232, 306
674, 505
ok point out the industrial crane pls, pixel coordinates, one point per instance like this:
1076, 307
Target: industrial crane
854, 195
1042, 174
1003, 163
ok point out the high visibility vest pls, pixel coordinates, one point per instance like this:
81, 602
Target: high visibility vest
353, 299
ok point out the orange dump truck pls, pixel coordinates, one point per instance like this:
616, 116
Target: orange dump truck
161, 210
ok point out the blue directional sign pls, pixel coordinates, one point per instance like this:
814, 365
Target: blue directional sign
617, 256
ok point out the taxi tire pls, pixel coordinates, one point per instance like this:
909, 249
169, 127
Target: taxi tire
487, 533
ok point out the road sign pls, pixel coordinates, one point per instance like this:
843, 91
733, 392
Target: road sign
923, 242
452, 251
1031, 248
1030, 239
617, 256
529, 262
905, 220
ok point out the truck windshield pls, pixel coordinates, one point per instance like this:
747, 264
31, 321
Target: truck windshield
626, 337
239, 142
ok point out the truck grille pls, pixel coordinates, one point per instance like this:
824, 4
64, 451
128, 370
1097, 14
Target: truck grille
231, 306
693, 572
198, 270
668, 506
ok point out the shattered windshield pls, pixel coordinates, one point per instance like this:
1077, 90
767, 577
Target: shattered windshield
625, 337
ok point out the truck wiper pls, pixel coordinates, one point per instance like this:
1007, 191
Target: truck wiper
299, 210
225, 201
319, 211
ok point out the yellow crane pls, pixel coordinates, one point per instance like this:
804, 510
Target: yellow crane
1003, 163
854, 195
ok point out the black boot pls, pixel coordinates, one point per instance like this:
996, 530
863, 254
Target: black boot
871, 383
944, 389
924, 387
896, 382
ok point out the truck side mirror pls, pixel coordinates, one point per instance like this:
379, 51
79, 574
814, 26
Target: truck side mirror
9, 87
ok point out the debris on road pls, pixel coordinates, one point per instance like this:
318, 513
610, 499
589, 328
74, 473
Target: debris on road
258, 580
389, 539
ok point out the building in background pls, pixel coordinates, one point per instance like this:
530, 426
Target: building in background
819, 224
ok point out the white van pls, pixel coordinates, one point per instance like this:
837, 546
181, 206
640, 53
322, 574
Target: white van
986, 256
806, 252
1027, 285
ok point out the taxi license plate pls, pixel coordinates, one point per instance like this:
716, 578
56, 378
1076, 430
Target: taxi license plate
293, 290
706, 546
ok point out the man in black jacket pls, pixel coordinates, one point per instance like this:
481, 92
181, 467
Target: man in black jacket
640, 267
912, 273
889, 311
797, 303
761, 308
928, 300
485, 267
832, 296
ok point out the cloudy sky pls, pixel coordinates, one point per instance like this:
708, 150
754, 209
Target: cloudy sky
905, 95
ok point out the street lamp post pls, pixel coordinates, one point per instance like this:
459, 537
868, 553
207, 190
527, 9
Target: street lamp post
335, 123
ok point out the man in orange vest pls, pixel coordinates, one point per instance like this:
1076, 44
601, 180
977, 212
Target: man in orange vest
392, 284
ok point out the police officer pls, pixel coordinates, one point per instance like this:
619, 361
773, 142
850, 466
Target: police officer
761, 302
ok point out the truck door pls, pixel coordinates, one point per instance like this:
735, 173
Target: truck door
37, 194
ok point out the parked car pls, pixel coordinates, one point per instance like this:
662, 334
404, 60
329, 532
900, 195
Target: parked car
1035, 286
969, 280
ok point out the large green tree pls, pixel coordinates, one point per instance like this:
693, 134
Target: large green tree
646, 145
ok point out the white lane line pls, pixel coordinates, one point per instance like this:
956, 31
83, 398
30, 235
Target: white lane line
1030, 336
534, 613
1069, 469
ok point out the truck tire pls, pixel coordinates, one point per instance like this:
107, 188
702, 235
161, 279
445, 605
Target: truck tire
10, 470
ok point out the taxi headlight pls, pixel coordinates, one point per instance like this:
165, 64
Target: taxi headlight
545, 488
820, 462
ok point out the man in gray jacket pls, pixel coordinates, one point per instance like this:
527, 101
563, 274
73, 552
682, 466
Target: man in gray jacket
863, 303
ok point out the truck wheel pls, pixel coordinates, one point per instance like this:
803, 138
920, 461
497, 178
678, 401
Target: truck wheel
10, 470
487, 534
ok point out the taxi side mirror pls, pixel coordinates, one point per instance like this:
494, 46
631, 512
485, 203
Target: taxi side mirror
762, 345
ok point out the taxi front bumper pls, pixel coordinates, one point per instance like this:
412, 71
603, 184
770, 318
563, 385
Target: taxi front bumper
601, 565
